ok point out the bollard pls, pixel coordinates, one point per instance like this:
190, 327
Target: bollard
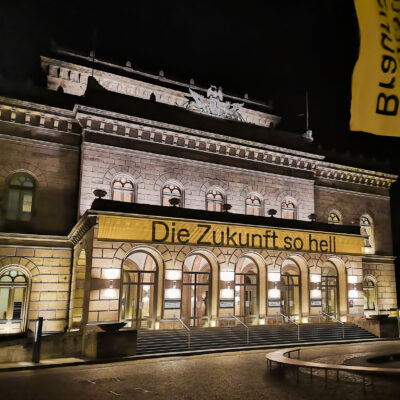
37, 340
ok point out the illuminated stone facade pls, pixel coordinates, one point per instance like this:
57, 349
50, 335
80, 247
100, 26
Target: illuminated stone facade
64, 146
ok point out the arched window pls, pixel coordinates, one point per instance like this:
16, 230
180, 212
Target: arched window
214, 200
123, 189
21, 189
288, 209
171, 191
253, 205
370, 295
367, 230
13, 291
334, 218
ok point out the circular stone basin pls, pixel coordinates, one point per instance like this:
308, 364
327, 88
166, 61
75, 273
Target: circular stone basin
386, 361
111, 327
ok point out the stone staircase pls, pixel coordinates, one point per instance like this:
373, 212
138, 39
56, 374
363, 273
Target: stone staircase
220, 338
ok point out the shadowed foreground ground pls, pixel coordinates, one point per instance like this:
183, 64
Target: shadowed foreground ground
222, 376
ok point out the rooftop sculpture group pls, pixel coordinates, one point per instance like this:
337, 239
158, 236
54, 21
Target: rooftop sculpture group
214, 104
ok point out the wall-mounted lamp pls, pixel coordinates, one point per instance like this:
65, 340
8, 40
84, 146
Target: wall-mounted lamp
315, 278
352, 279
353, 293
274, 276
173, 274
227, 276
315, 294
274, 293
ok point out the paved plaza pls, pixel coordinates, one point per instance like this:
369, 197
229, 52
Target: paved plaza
218, 376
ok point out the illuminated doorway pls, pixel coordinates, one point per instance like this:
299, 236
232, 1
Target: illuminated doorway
139, 276
196, 289
246, 290
13, 297
329, 283
290, 291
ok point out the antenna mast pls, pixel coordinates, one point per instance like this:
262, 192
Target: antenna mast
308, 133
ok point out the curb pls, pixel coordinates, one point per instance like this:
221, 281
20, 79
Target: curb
187, 353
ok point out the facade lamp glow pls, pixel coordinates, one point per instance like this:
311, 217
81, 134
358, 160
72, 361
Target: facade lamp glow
227, 276
315, 278
353, 294
274, 276
352, 279
173, 275
315, 294
274, 294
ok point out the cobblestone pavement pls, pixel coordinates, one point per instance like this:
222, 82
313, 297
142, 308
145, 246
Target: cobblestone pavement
218, 376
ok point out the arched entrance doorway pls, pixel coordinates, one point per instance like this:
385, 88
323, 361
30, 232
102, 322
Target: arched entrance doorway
196, 290
246, 290
290, 290
13, 299
329, 286
139, 277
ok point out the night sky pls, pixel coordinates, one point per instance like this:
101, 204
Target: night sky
272, 50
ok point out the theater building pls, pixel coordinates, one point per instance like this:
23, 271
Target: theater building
131, 197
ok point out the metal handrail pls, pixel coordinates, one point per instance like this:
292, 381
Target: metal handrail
237, 319
185, 326
293, 322
337, 320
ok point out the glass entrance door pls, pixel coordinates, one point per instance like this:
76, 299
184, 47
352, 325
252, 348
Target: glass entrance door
329, 283
290, 295
329, 295
246, 293
196, 297
137, 302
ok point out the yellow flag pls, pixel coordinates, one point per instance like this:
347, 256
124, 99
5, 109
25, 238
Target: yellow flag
375, 103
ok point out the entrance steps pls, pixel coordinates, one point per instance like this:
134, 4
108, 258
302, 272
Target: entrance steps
219, 338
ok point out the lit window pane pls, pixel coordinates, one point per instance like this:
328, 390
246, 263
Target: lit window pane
13, 203
4, 295
170, 191
27, 202
123, 190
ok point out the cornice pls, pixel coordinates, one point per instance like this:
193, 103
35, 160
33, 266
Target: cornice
354, 175
85, 223
49, 118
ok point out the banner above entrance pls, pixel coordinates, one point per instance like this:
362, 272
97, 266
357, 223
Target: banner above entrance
202, 233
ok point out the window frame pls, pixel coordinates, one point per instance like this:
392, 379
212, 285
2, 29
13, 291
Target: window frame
287, 209
12, 286
170, 196
338, 215
133, 191
21, 191
252, 207
213, 201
